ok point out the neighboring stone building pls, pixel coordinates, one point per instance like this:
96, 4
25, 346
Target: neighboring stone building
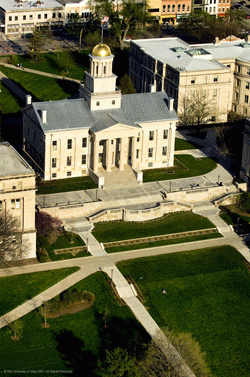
245, 162
221, 71
100, 130
17, 194
19, 17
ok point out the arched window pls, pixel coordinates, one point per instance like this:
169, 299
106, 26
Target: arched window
164, 8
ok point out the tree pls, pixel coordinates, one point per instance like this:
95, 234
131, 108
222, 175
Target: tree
66, 61
197, 109
80, 27
243, 202
126, 85
118, 363
45, 223
16, 329
37, 42
12, 246
128, 16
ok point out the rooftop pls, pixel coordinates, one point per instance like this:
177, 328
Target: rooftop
11, 163
184, 57
17, 5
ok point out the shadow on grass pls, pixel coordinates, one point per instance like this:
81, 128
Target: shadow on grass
70, 87
73, 354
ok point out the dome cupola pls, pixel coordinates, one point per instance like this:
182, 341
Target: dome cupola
101, 50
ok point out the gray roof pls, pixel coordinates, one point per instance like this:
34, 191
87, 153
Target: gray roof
33, 5
180, 55
11, 163
71, 114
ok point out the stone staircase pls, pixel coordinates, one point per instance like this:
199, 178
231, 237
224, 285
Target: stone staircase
119, 178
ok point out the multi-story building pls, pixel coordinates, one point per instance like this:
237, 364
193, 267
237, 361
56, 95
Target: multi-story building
20, 17
81, 7
102, 129
220, 70
17, 195
173, 10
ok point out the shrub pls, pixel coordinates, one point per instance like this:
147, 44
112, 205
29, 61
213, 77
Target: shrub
42, 255
243, 202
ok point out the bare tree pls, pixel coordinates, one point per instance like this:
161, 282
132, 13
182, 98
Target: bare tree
12, 244
197, 109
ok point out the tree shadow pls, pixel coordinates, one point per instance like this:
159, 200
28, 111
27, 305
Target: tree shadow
73, 355
125, 333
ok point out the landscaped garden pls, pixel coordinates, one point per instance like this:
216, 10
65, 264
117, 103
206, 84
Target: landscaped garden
207, 295
74, 342
177, 222
15, 290
184, 166
65, 185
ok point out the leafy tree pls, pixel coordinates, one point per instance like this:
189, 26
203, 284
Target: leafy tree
16, 329
37, 42
66, 61
196, 109
92, 38
126, 85
45, 223
127, 17
118, 363
243, 202
80, 27
12, 246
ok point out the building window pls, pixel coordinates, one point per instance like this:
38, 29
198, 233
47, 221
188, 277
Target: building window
137, 153
84, 142
39, 17
247, 85
238, 68
215, 78
31, 17
69, 160
236, 96
213, 119
215, 93
179, 8
54, 145
69, 145
164, 151
138, 137
69, 173
53, 175
168, 8
246, 98
84, 159
16, 18
245, 111
113, 102
59, 15
151, 135
150, 152
97, 103
1, 205
45, 16
235, 108
53, 163
237, 82
164, 8
192, 80
10, 18
15, 203
24, 18
183, 7
150, 164
248, 71
188, 8
228, 66
165, 134
53, 15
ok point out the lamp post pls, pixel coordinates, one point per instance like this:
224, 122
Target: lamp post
218, 179
112, 275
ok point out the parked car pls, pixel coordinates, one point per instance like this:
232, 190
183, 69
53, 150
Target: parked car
237, 6
28, 35
242, 2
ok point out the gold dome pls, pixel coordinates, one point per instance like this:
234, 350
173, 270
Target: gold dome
101, 50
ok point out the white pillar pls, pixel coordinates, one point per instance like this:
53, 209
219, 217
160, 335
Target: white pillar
95, 156
133, 157
121, 164
108, 156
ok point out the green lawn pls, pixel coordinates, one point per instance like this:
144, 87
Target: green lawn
208, 295
65, 185
170, 223
62, 242
56, 63
41, 88
15, 290
74, 342
9, 103
184, 166
181, 144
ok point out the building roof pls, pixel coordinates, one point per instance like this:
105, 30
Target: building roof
11, 163
13, 5
184, 57
72, 114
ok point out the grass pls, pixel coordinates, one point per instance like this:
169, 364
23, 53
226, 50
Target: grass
42, 88
184, 166
65, 185
207, 295
9, 103
62, 242
15, 290
181, 144
170, 223
74, 342
162, 243
55, 63
231, 214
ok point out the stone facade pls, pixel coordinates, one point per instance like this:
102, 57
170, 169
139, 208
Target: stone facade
245, 163
17, 194
101, 129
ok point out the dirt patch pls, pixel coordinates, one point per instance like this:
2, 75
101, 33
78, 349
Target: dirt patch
70, 309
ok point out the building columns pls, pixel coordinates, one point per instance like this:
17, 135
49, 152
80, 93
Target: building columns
133, 153
121, 164
95, 156
108, 155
